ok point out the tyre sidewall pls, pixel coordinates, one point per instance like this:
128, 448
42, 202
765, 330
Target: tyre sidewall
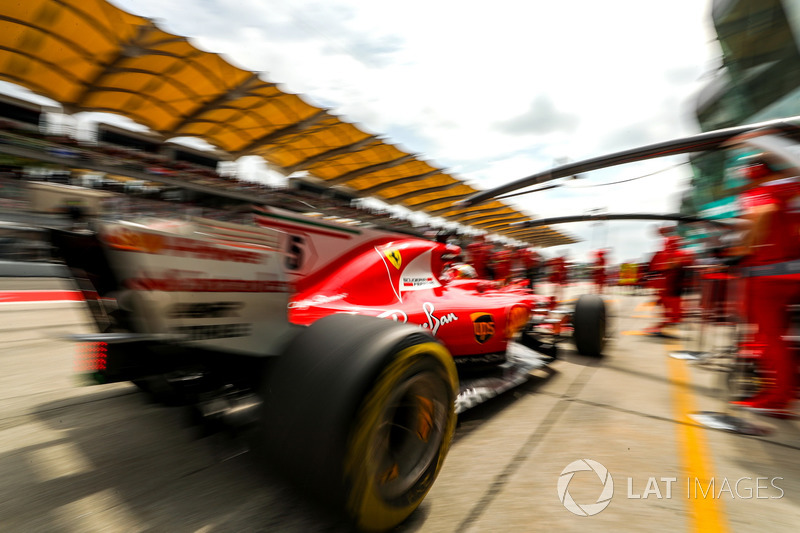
364, 500
320, 393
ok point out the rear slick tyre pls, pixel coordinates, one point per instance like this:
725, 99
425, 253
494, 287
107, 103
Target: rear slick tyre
359, 414
589, 325
403, 430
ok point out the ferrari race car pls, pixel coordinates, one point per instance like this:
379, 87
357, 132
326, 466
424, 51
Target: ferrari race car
336, 269
368, 326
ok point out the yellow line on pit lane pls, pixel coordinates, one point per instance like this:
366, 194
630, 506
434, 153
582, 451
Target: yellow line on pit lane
707, 514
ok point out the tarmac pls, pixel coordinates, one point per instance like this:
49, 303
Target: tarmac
589, 444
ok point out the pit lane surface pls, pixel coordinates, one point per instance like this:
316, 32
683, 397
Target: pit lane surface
104, 459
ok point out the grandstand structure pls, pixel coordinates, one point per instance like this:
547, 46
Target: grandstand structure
89, 55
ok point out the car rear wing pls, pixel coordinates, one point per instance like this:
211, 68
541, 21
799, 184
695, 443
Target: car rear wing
206, 284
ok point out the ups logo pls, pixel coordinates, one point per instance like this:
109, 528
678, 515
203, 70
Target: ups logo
483, 326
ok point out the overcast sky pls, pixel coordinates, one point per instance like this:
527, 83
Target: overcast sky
491, 91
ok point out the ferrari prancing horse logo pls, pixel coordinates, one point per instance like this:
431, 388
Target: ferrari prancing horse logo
393, 255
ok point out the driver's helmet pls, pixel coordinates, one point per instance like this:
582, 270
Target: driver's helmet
463, 271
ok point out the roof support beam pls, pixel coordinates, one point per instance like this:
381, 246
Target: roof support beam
491, 218
527, 237
129, 49
322, 156
399, 181
418, 192
455, 212
485, 227
541, 230
288, 130
468, 218
369, 169
231, 94
423, 205
465, 213
497, 224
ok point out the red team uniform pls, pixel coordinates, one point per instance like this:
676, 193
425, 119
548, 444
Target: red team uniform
479, 253
530, 264
766, 297
558, 275
667, 271
558, 270
599, 273
676, 261
502, 265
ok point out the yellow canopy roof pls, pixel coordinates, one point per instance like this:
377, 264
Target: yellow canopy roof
89, 55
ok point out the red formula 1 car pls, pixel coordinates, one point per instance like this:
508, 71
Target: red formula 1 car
408, 279
305, 331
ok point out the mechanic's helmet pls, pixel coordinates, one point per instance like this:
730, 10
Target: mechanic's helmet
463, 271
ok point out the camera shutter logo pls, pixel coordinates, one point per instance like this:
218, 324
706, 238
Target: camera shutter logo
603, 500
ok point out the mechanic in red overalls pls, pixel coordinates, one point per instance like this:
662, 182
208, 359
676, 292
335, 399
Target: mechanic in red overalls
654, 276
558, 275
772, 237
502, 265
530, 264
676, 265
478, 251
662, 277
599, 271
